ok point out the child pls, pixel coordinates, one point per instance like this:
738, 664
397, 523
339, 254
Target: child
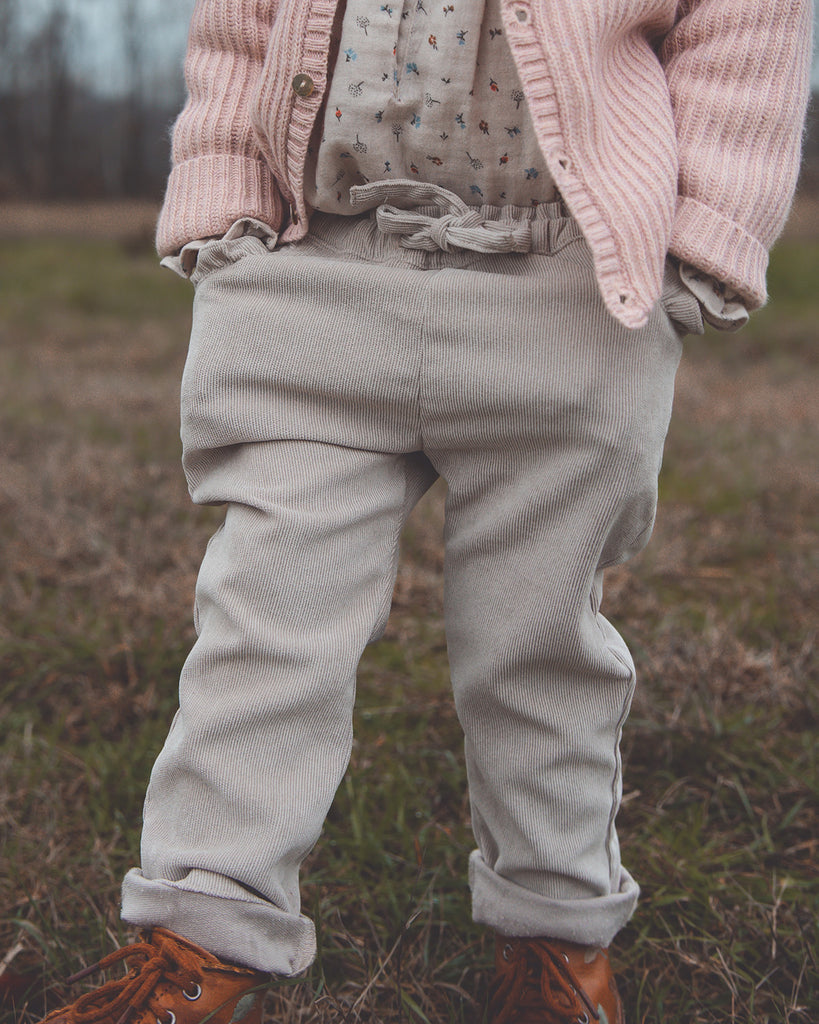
437, 239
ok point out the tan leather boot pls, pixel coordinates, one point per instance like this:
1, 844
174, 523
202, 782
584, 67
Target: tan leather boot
170, 981
546, 981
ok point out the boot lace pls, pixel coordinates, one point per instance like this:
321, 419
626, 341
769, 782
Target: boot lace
121, 998
538, 986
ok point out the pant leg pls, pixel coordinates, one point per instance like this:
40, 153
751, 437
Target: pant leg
551, 464
299, 411
291, 589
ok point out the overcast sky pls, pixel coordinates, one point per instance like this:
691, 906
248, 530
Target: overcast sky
96, 42
96, 38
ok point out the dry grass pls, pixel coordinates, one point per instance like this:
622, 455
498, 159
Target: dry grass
99, 553
125, 219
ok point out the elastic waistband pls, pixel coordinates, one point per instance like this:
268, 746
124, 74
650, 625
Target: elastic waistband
422, 224
430, 217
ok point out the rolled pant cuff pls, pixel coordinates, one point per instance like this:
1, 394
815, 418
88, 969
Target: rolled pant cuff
513, 910
247, 932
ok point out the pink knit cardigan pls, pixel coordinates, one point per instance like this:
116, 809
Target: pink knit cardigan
668, 125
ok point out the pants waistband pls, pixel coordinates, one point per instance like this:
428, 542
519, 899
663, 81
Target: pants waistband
430, 217
419, 224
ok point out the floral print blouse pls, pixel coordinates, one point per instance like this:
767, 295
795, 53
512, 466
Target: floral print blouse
427, 90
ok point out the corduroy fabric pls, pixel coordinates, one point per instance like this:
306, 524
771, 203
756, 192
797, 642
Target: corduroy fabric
328, 383
668, 125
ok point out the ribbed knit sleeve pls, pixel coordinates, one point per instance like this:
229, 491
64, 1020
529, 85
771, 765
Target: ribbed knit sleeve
738, 74
218, 172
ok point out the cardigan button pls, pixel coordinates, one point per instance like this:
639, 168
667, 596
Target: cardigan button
303, 85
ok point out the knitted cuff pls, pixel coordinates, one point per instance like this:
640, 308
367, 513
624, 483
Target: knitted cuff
206, 195
722, 248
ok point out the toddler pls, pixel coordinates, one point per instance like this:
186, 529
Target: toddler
437, 239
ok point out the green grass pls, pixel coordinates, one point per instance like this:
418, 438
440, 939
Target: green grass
92, 279
100, 551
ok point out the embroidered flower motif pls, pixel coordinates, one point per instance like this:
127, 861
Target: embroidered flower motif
355, 88
358, 145
433, 42
350, 54
474, 163
363, 23
484, 127
518, 97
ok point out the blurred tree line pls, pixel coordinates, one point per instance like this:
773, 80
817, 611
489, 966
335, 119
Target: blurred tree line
61, 136
810, 163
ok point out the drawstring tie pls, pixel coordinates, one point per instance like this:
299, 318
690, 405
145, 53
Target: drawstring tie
458, 227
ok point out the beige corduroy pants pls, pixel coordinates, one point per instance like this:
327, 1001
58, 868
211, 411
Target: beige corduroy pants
328, 383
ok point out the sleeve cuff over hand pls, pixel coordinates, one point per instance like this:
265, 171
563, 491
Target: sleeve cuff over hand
722, 249
206, 195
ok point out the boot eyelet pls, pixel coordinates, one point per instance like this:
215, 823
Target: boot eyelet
171, 1018
584, 1019
193, 995
507, 951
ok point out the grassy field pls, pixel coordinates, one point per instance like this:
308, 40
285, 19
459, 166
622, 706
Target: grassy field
99, 548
